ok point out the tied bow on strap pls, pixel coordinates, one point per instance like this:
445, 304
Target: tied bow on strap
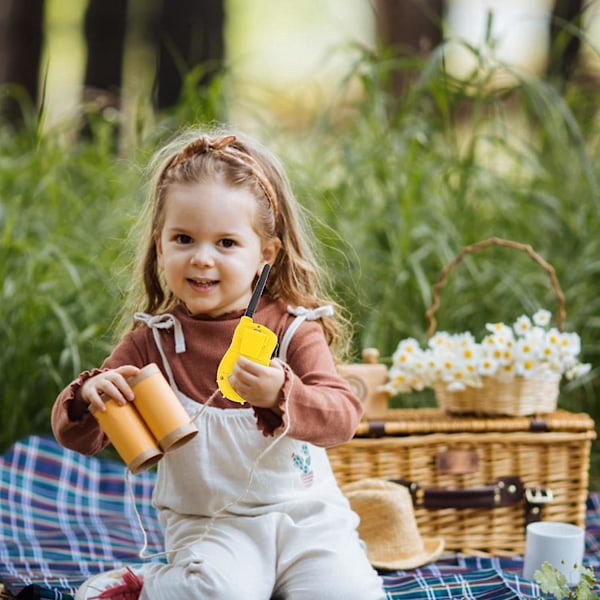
302, 314
164, 321
311, 314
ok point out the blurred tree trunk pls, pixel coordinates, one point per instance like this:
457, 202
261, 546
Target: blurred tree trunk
105, 28
21, 41
409, 28
564, 44
189, 33
184, 34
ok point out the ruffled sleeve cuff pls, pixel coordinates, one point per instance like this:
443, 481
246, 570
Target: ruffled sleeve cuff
72, 390
83, 435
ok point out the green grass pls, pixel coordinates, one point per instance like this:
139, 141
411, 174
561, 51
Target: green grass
63, 217
398, 184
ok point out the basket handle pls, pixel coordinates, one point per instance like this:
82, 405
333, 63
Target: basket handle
435, 302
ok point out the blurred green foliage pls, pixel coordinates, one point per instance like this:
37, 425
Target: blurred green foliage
396, 183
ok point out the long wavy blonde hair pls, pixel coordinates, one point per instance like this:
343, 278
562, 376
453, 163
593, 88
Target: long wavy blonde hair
196, 156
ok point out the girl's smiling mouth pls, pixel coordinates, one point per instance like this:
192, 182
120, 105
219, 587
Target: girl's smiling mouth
202, 284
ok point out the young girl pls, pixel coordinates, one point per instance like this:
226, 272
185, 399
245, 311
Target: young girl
250, 507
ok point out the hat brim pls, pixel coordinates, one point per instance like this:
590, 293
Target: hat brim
432, 549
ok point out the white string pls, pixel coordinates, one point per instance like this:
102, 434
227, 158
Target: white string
142, 553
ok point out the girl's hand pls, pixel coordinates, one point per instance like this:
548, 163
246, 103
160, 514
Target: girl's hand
111, 383
258, 384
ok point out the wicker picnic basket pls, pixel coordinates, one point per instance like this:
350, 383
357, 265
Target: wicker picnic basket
519, 396
477, 481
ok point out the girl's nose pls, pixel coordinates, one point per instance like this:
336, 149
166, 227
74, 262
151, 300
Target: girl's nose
202, 257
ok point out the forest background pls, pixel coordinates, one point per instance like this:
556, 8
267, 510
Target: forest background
402, 159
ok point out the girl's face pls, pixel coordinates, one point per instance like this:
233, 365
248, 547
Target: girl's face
209, 249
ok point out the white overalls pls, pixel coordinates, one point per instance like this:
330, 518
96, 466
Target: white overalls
253, 517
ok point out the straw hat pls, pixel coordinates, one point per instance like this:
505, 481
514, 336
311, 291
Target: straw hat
388, 525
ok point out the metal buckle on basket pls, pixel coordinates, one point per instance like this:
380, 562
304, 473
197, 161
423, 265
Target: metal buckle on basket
538, 496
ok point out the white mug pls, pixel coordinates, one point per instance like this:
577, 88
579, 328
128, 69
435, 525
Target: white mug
560, 544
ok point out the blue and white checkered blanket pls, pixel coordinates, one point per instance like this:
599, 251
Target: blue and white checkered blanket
65, 517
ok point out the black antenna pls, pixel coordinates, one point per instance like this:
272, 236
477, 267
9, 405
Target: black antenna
258, 290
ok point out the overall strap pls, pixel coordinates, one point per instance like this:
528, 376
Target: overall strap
164, 321
302, 314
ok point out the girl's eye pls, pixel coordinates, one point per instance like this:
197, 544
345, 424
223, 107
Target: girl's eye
227, 243
181, 238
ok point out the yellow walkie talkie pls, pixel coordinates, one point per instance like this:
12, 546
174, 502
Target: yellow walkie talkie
251, 340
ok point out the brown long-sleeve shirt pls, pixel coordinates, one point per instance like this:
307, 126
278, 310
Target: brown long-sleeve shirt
320, 406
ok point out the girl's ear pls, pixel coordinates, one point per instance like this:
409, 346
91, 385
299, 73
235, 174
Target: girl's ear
270, 250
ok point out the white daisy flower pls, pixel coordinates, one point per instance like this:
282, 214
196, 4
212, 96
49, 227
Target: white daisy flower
459, 361
522, 325
542, 317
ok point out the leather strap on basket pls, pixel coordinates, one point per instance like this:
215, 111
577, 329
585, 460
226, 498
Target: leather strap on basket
435, 301
505, 491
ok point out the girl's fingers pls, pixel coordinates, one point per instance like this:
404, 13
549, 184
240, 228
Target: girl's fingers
128, 371
258, 384
96, 402
112, 384
117, 389
244, 365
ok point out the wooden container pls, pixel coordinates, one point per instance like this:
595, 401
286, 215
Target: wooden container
366, 380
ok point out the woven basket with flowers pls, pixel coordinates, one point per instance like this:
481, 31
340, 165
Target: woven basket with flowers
514, 370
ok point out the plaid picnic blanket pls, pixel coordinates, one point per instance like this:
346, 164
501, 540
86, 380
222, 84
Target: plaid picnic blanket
65, 517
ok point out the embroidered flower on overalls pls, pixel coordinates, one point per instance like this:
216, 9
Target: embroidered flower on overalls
302, 463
